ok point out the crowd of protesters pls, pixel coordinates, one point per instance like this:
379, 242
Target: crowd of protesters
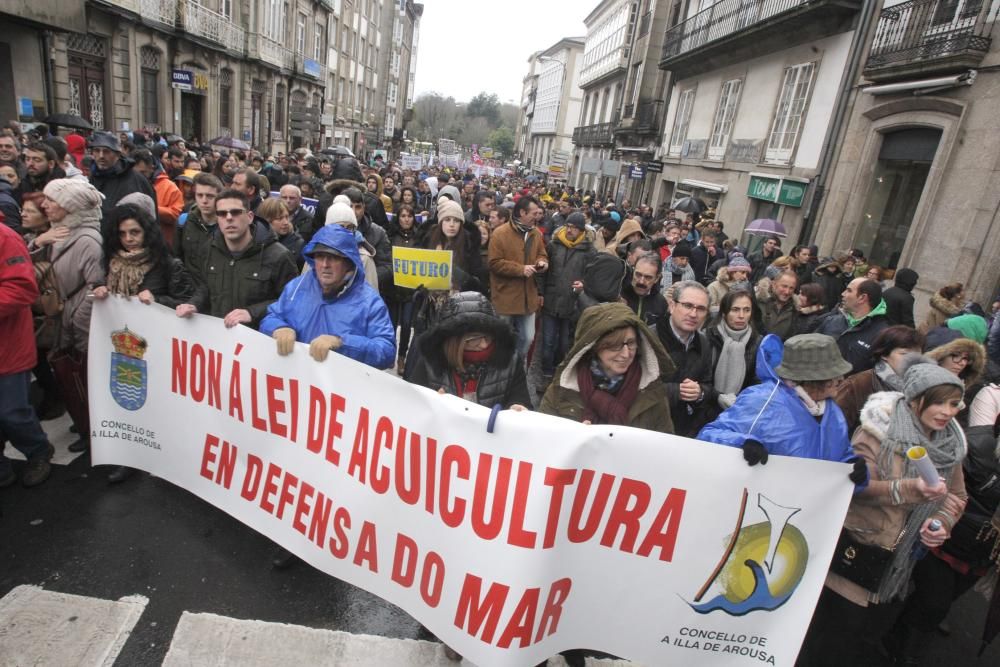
656, 320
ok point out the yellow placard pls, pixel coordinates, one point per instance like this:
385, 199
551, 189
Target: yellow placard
415, 267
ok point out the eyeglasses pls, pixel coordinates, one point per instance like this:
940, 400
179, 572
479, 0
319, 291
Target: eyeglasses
475, 340
959, 358
632, 346
690, 307
230, 213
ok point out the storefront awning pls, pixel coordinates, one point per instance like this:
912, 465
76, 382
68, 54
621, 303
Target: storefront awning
705, 185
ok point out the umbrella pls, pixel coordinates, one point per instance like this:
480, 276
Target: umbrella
690, 205
69, 120
766, 227
338, 151
229, 142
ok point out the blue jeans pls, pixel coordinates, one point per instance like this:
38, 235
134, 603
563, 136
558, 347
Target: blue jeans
555, 342
524, 329
18, 422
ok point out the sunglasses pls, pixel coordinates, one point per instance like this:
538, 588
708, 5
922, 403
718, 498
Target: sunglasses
230, 213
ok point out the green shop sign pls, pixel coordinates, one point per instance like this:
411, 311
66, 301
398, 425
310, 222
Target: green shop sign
778, 190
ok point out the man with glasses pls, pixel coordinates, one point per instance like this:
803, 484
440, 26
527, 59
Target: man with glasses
690, 387
245, 269
641, 294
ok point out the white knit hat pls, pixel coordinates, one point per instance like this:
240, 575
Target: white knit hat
448, 208
341, 212
73, 194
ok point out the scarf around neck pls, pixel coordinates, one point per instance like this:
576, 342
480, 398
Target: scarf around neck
946, 451
607, 400
126, 271
731, 370
888, 377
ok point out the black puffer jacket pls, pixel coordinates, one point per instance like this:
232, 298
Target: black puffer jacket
694, 363
899, 298
982, 482
501, 379
603, 279
169, 282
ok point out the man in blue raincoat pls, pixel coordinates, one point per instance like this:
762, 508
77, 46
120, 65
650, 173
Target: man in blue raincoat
331, 306
792, 412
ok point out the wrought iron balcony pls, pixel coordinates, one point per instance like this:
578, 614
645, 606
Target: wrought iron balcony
931, 36
270, 52
643, 118
598, 134
732, 31
212, 26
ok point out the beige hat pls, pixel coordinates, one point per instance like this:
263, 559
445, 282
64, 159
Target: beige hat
447, 208
73, 194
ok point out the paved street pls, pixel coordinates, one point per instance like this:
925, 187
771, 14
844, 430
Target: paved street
166, 578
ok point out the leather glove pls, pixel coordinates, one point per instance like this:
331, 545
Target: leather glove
286, 340
859, 474
754, 452
726, 400
321, 345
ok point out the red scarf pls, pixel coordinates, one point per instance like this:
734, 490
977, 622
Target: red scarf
467, 383
600, 407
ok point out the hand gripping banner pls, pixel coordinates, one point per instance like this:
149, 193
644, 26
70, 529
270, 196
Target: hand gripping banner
510, 546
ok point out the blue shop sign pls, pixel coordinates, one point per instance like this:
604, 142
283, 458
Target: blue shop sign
182, 78
311, 68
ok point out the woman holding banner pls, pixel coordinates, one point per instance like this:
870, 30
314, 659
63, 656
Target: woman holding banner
138, 263
451, 233
402, 233
613, 373
913, 448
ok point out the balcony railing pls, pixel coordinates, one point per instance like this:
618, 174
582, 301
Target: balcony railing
269, 51
648, 116
599, 134
215, 27
152, 11
722, 19
931, 35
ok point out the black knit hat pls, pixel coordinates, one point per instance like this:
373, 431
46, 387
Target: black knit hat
682, 249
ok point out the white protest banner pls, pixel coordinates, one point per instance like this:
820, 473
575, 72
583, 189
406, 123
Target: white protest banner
307, 203
510, 546
411, 162
447, 147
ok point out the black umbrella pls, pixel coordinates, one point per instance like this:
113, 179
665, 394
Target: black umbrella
69, 120
338, 151
690, 205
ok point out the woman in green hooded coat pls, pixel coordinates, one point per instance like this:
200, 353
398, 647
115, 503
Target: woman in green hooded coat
613, 374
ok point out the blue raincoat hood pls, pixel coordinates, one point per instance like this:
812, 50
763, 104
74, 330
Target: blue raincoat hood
341, 240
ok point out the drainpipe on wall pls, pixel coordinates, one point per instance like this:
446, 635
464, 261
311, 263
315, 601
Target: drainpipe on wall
48, 83
834, 135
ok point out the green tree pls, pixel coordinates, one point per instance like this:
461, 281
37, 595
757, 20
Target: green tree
501, 140
484, 106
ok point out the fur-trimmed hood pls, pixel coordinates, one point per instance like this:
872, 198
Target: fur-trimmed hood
877, 413
944, 306
464, 313
977, 358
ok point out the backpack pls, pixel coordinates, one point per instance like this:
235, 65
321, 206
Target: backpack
48, 307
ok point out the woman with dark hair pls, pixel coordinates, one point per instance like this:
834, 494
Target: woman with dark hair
734, 347
138, 263
811, 307
450, 233
946, 303
896, 514
613, 374
402, 233
408, 197
889, 350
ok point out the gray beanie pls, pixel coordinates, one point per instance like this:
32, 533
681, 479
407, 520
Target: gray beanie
925, 374
142, 200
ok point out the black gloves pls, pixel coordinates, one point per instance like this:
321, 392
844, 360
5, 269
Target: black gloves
754, 452
860, 472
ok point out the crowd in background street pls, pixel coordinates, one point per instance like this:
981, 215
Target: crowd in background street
642, 316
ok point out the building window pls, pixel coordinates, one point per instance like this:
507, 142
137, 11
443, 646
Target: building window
226, 100
318, 44
904, 163
300, 34
279, 107
150, 74
791, 107
275, 12
226, 8
681, 119
723, 125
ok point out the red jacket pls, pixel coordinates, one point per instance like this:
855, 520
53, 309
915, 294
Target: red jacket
17, 292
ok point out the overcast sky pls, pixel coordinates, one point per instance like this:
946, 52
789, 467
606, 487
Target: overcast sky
467, 47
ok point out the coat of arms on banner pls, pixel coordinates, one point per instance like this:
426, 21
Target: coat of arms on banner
762, 565
128, 370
